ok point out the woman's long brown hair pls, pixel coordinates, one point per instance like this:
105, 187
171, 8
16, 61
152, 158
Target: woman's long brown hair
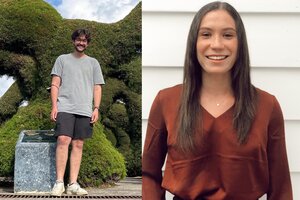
189, 117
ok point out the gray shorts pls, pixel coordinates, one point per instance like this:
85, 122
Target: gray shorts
74, 126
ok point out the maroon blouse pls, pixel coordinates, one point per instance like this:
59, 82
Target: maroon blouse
221, 169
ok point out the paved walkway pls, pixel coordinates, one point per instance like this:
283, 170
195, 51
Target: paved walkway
129, 188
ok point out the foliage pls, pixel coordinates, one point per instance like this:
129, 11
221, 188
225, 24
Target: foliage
100, 163
118, 112
121, 102
134, 164
14, 97
95, 168
33, 117
32, 36
130, 73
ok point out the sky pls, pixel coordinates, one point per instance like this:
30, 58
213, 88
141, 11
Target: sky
5, 83
106, 11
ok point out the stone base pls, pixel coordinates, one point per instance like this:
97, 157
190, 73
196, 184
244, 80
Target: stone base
34, 166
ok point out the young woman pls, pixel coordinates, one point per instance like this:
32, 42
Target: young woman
224, 137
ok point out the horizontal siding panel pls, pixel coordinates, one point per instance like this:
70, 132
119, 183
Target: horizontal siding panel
284, 84
273, 39
245, 6
164, 39
292, 129
296, 185
144, 129
281, 82
155, 79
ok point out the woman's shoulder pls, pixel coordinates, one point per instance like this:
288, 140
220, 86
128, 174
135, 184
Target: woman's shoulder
169, 96
264, 94
266, 99
170, 92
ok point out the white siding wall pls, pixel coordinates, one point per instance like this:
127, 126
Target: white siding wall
273, 32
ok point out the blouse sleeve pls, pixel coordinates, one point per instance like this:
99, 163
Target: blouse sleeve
279, 175
154, 154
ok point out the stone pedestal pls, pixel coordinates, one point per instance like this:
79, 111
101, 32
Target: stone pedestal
35, 162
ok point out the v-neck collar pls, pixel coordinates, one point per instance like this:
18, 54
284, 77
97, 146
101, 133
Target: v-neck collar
221, 115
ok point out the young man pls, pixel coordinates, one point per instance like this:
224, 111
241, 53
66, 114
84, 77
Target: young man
76, 85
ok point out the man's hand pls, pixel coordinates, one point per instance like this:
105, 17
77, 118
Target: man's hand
95, 116
55, 83
53, 114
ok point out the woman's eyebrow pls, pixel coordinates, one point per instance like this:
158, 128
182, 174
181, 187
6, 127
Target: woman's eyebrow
208, 28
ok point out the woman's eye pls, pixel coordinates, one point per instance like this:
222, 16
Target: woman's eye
205, 35
228, 35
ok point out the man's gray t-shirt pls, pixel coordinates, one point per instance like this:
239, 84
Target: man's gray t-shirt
78, 77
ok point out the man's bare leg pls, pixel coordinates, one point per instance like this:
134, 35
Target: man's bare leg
62, 147
75, 159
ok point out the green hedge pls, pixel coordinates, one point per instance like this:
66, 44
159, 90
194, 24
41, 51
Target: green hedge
101, 161
33, 35
32, 117
10, 102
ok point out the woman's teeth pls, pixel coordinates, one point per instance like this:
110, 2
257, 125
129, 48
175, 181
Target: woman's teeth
216, 57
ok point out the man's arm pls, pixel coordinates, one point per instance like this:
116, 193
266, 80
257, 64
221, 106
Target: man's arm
55, 83
97, 100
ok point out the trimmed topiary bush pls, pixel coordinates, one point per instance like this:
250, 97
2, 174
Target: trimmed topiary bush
95, 168
31, 118
32, 36
101, 162
127, 130
13, 96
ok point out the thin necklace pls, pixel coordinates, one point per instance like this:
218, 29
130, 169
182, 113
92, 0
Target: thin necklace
220, 103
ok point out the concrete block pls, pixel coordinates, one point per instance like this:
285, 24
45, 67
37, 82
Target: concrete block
35, 162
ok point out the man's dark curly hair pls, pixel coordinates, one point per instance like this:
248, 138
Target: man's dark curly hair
79, 32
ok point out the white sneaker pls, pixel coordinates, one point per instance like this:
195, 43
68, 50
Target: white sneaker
58, 189
76, 189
